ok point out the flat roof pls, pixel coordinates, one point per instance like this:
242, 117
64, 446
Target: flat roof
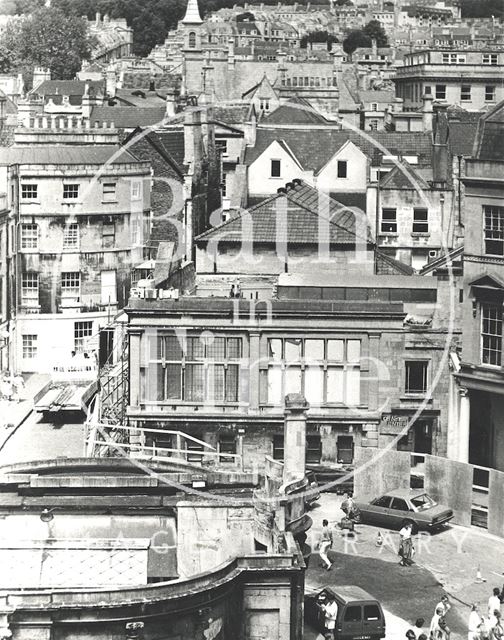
224, 306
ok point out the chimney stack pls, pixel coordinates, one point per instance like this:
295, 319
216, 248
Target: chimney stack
170, 104
296, 407
427, 111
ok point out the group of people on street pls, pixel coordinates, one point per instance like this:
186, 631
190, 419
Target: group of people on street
479, 626
11, 387
491, 627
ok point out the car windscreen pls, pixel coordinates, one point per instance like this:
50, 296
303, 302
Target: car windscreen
423, 502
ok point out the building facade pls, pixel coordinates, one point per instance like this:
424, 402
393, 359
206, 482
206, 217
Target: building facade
81, 214
468, 77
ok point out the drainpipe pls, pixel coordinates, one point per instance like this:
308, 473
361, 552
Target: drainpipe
459, 159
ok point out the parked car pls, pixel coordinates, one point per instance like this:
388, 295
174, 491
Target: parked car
314, 493
395, 508
360, 616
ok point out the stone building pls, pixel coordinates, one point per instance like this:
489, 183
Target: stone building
79, 213
142, 555
467, 77
367, 361
477, 400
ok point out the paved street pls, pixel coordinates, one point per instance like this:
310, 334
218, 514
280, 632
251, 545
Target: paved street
445, 563
38, 439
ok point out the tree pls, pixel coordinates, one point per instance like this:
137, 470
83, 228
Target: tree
318, 36
49, 39
354, 40
376, 32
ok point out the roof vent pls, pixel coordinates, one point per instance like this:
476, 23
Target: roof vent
296, 182
281, 190
289, 185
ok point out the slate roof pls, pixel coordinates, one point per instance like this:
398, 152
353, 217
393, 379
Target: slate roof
301, 223
295, 111
462, 135
173, 142
128, 117
489, 142
144, 99
385, 265
63, 154
233, 114
313, 148
68, 87
377, 96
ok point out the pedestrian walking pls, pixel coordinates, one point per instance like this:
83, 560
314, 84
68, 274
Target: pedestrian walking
474, 624
325, 543
434, 625
494, 603
406, 545
6, 387
19, 386
496, 629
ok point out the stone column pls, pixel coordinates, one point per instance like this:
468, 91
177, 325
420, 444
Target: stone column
134, 367
464, 425
294, 437
452, 433
254, 371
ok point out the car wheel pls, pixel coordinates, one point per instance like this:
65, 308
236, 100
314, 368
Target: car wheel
414, 526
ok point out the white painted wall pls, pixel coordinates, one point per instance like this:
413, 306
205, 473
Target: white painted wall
260, 181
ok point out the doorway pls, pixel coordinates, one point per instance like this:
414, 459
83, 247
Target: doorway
345, 445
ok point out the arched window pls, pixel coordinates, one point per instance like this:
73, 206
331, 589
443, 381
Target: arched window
192, 40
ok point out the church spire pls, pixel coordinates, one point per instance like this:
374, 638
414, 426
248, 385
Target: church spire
192, 15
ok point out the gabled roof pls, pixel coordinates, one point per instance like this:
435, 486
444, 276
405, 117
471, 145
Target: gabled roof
314, 147
128, 117
489, 282
404, 176
295, 111
250, 93
151, 151
293, 215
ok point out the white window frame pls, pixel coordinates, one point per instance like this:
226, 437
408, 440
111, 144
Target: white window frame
30, 289
29, 191
83, 330
491, 313
70, 286
136, 190
109, 191
29, 236
29, 346
71, 191
71, 236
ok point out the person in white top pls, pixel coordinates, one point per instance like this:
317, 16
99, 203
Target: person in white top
474, 624
406, 545
434, 625
331, 614
444, 603
494, 603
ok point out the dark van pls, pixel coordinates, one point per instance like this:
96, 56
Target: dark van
360, 616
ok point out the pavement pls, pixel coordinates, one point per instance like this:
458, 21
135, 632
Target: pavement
446, 562
13, 413
38, 438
